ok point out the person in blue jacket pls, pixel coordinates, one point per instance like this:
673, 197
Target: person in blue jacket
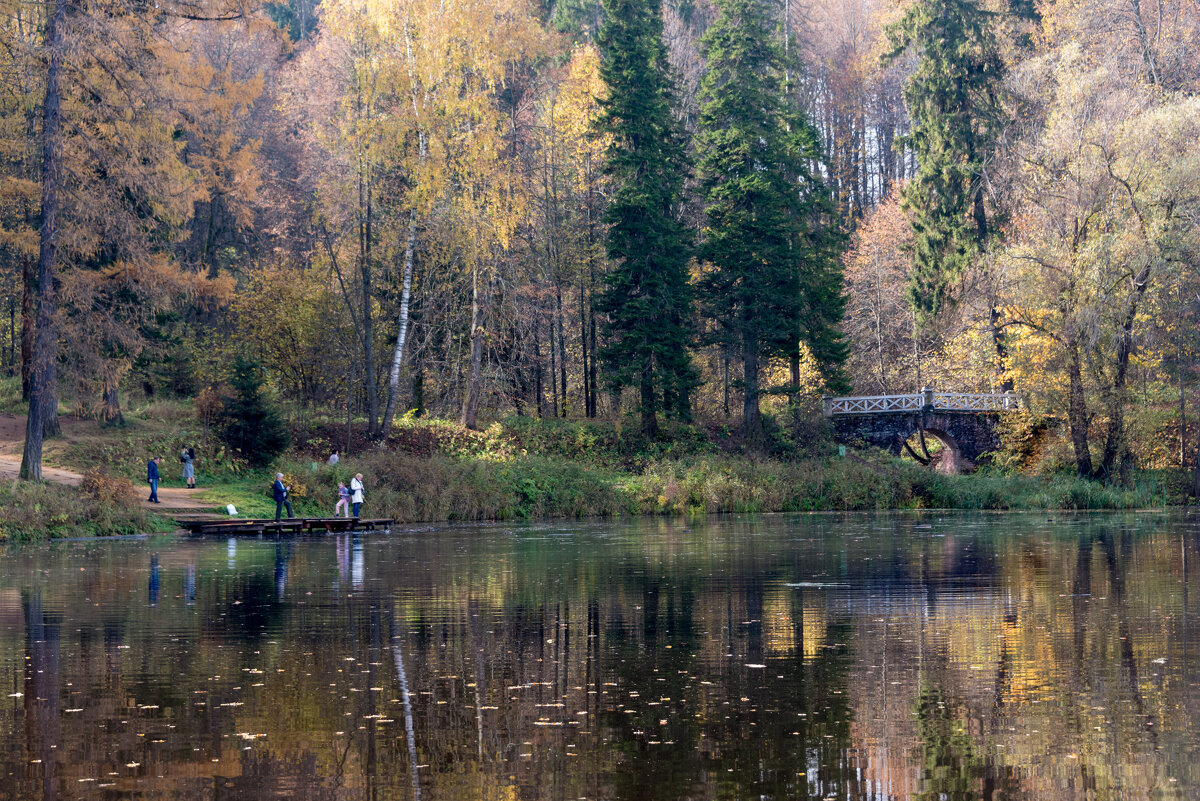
152, 478
281, 497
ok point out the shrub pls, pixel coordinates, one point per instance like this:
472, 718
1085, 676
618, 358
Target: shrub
36, 511
108, 489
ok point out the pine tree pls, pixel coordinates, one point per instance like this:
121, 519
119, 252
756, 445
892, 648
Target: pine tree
770, 236
250, 426
952, 100
647, 297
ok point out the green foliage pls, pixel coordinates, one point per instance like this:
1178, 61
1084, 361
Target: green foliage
297, 18
36, 511
771, 234
10, 395
436, 488
151, 430
248, 424
647, 298
576, 18
584, 475
604, 443
1022, 440
952, 97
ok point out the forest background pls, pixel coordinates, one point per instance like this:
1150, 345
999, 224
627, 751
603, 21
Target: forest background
389, 210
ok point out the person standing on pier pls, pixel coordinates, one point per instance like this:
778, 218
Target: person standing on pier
281, 497
152, 478
356, 494
343, 502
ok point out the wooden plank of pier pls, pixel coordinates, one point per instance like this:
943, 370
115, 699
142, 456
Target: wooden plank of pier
292, 525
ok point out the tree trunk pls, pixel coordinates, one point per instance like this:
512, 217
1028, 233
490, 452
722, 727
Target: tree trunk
752, 430
1006, 383
368, 337
1077, 417
418, 390
649, 407
562, 345
111, 411
592, 338
28, 324
12, 335
1196, 463
45, 345
553, 371
1116, 396
583, 346
794, 377
1182, 423
207, 253
593, 409
402, 333
470, 407
539, 388
725, 379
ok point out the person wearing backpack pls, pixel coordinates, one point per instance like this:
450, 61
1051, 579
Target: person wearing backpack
188, 457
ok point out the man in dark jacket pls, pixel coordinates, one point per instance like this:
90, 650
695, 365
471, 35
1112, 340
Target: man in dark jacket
152, 478
281, 497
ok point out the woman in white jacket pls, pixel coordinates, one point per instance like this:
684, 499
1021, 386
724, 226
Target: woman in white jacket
356, 494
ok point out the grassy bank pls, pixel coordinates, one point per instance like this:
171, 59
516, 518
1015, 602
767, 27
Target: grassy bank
101, 508
520, 469
437, 487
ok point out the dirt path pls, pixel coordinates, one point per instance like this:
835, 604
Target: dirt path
12, 439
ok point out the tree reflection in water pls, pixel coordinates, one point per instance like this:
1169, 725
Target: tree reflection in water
949, 657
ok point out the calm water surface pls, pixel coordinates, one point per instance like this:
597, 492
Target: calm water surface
839, 657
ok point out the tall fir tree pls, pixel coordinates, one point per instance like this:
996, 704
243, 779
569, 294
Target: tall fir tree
771, 235
952, 98
250, 425
647, 299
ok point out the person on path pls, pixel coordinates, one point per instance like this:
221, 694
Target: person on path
281, 497
356, 494
188, 457
333, 458
152, 477
343, 500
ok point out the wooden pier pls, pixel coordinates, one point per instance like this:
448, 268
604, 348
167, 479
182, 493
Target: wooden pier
224, 526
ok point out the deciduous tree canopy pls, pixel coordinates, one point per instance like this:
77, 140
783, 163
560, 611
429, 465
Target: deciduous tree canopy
472, 209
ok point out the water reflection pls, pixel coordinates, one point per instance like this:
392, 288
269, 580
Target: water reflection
935, 657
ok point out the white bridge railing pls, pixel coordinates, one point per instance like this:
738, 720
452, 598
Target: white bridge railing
926, 400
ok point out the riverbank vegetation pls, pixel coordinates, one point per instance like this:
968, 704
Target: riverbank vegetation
527, 469
103, 506
605, 256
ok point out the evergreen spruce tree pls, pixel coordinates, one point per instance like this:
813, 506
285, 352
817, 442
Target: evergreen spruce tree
647, 298
771, 233
250, 426
952, 98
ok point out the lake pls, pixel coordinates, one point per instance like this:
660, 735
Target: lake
953, 656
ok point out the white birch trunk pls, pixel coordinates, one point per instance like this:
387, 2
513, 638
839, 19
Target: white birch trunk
410, 247
402, 334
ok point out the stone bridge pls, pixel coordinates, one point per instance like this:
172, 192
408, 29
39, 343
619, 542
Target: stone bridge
964, 423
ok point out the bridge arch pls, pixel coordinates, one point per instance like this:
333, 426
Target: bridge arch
964, 423
951, 461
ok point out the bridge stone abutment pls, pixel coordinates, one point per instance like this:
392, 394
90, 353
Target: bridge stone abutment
965, 435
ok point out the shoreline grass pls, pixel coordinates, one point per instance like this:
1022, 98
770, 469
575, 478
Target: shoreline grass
435, 471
